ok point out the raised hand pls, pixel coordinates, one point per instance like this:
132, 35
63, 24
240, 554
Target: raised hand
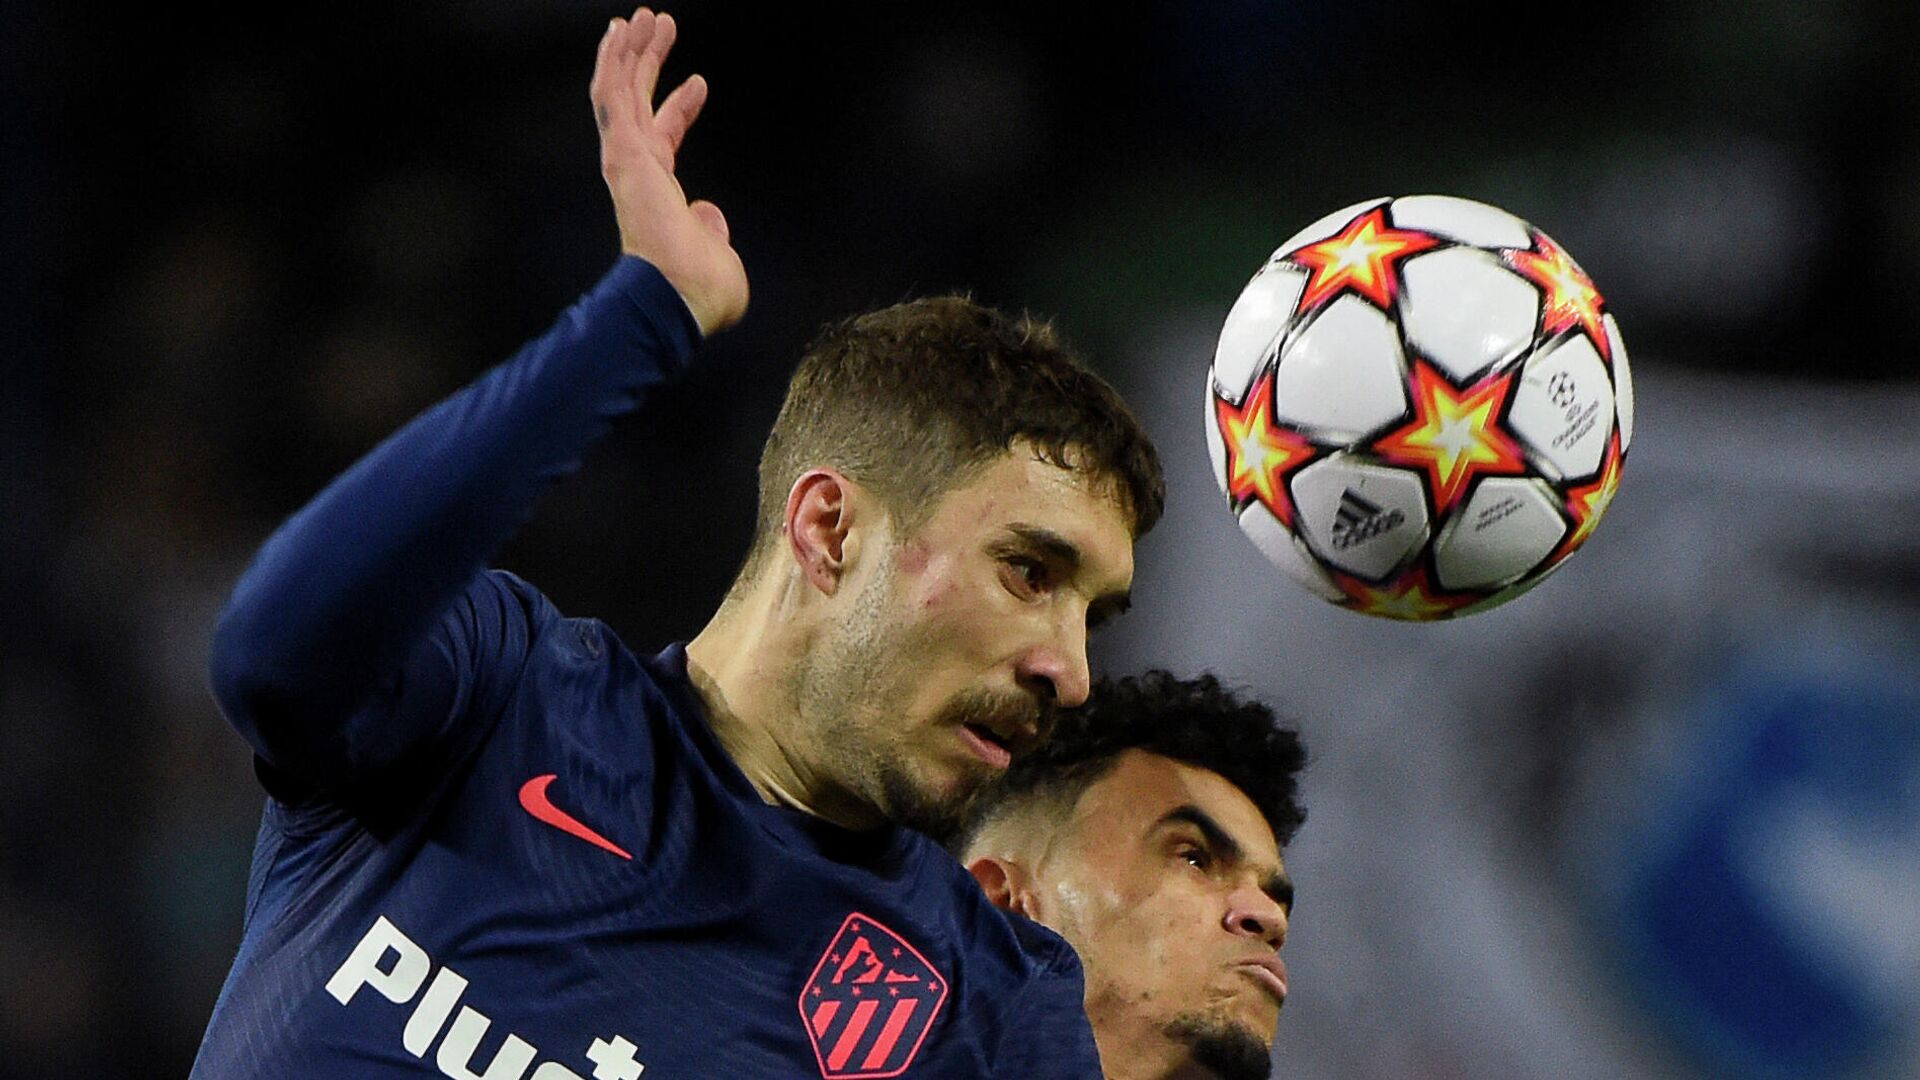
687, 241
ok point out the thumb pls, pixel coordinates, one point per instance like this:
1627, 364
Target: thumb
711, 217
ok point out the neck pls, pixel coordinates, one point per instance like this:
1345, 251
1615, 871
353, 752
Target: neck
744, 667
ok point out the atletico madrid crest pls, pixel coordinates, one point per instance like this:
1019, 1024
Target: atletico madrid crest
870, 1002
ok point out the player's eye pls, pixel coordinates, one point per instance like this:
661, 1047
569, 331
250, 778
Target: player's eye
1026, 577
1197, 857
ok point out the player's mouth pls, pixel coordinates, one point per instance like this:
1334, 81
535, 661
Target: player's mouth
987, 745
1268, 971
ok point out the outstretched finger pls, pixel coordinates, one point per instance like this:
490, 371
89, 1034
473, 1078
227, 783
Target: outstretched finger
641, 30
607, 89
640, 34
678, 112
651, 54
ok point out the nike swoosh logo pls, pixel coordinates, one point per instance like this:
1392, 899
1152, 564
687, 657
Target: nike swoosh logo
533, 796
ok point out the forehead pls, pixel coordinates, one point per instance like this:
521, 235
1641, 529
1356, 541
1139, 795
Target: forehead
1019, 488
1134, 798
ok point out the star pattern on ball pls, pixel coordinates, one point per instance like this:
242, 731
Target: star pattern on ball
1455, 434
1587, 502
1410, 596
1261, 455
1568, 297
1362, 258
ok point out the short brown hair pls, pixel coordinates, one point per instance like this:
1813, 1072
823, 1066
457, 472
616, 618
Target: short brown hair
908, 399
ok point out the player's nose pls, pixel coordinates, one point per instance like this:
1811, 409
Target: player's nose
1057, 669
1253, 913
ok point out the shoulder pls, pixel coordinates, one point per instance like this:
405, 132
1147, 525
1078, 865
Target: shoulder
503, 597
556, 684
503, 593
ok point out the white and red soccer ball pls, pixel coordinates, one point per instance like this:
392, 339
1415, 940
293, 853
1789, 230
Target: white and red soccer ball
1419, 407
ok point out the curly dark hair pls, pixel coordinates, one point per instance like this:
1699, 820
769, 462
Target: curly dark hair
1196, 721
910, 398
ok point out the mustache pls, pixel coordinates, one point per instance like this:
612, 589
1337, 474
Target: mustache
1014, 712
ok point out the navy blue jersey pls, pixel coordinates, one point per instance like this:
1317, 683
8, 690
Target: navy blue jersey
498, 845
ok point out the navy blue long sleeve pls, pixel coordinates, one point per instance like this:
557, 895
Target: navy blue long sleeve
350, 587
501, 844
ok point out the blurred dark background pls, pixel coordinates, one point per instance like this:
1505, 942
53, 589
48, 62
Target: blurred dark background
242, 244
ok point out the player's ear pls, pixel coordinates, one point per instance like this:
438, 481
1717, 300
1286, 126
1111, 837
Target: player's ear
1003, 882
820, 515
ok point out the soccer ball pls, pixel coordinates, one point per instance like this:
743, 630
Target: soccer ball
1419, 407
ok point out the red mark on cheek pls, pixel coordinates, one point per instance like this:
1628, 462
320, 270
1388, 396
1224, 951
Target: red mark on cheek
912, 558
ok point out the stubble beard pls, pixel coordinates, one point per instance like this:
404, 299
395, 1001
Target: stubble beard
942, 814
913, 804
884, 777
863, 747
1229, 1050
852, 694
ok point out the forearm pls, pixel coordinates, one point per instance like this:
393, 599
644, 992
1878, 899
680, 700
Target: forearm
344, 590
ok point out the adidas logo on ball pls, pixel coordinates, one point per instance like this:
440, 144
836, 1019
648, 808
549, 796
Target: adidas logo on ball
1360, 519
